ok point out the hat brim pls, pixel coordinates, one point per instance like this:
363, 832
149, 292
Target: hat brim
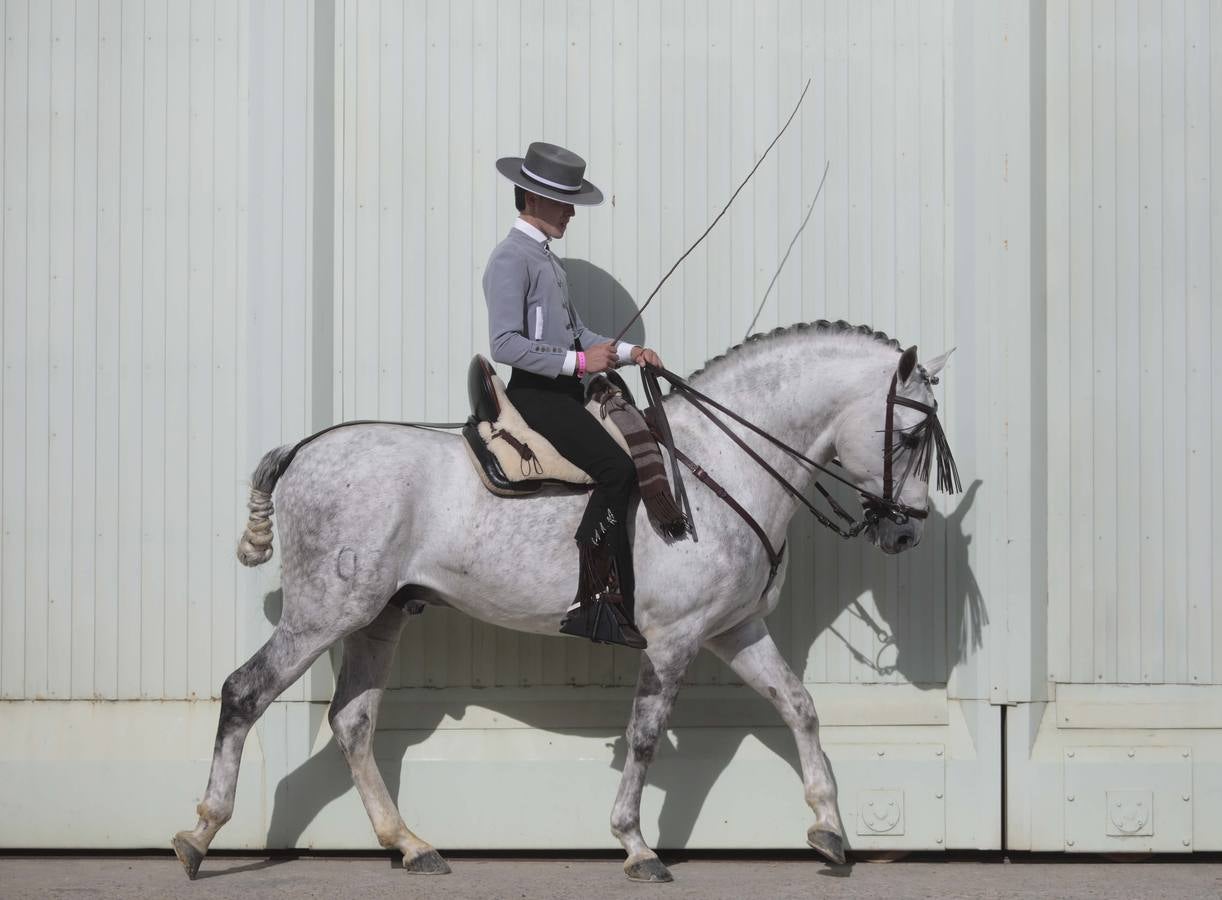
511, 168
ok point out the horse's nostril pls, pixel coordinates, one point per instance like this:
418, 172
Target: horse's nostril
903, 541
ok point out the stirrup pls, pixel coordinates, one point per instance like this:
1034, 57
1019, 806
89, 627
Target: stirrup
603, 621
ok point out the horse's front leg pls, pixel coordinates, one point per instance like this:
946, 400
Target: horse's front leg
657, 685
749, 650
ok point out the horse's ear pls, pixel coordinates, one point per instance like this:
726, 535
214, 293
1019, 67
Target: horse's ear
908, 361
935, 365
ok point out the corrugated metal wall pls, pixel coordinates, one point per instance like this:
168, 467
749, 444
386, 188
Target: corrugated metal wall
123, 363
135, 400
1134, 333
671, 104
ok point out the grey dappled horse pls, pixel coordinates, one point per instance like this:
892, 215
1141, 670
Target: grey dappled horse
374, 511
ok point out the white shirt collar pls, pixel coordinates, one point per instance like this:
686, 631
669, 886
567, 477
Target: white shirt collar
530, 230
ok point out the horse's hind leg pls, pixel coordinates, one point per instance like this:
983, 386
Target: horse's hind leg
662, 668
368, 655
750, 651
245, 696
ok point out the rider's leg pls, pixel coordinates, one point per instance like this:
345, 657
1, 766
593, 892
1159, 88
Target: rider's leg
556, 413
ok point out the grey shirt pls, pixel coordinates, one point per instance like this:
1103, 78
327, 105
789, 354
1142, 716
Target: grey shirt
531, 323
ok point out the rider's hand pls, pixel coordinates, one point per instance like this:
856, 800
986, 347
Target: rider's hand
601, 357
643, 356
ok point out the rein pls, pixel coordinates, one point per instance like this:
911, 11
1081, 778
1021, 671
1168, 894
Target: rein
875, 507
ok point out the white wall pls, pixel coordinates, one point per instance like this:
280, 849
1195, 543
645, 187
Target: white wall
123, 333
1134, 329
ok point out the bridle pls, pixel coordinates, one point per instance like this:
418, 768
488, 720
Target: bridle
923, 439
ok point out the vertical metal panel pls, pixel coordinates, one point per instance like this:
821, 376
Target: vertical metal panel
1132, 580
124, 442
1215, 300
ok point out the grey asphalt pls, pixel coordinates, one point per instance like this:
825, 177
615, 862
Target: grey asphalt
365, 877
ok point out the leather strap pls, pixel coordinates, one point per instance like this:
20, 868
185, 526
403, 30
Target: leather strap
889, 426
774, 556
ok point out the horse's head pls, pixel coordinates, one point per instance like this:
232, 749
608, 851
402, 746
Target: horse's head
886, 440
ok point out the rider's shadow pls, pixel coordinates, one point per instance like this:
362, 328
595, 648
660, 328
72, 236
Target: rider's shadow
603, 304
325, 776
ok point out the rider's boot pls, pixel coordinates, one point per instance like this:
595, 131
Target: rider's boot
599, 611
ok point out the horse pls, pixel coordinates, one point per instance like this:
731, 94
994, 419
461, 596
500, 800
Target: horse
377, 522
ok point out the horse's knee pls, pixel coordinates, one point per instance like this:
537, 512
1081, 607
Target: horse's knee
351, 727
804, 714
643, 742
240, 696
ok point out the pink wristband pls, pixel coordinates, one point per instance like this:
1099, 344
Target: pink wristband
581, 364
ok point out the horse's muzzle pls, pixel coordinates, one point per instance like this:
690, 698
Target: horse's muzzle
896, 538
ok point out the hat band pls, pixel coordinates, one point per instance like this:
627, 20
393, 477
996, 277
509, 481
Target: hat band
551, 184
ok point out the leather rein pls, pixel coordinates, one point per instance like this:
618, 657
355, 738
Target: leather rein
921, 439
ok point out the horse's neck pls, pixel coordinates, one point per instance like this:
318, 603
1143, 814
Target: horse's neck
795, 397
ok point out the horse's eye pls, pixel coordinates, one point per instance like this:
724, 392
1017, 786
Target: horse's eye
909, 440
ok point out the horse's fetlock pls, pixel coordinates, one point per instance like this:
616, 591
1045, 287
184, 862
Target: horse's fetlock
624, 823
210, 822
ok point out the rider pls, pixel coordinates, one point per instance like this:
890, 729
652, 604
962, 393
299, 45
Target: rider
533, 327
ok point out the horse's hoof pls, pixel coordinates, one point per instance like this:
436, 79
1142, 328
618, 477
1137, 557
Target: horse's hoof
648, 869
188, 854
427, 863
830, 844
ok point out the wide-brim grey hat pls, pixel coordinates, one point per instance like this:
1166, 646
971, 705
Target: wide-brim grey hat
553, 172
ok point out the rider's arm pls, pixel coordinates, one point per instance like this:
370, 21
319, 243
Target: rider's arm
589, 337
506, 290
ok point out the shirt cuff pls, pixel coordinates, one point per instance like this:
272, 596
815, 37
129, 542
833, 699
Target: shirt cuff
624, 351
570, 363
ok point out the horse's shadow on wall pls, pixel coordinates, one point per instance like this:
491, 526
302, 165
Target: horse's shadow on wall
604, 305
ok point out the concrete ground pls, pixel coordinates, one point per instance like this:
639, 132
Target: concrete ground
706, 878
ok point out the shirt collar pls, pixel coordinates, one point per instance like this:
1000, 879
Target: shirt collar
530, 230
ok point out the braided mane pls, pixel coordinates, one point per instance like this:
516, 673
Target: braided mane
820, 326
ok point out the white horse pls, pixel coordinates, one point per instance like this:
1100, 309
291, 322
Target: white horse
374, 512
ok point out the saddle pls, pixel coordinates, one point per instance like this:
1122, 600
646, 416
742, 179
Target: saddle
511, 458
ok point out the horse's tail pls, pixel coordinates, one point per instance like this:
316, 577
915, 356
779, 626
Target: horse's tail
255, 546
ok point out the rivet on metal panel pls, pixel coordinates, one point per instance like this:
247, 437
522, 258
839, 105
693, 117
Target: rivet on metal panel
1070, 798
1186, 797
1185, 754
1069, 843
938, 752
1187, 843
882, 752
1070, 754
938, 795
939, 840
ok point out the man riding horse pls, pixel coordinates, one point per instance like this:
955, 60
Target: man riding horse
533, 327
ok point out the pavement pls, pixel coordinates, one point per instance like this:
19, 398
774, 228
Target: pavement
516, 878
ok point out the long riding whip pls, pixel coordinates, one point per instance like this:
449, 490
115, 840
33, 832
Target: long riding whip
619, 337
788, 250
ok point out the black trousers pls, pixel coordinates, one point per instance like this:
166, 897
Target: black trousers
554, 408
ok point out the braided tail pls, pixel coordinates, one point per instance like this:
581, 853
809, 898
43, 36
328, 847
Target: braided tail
255, 545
